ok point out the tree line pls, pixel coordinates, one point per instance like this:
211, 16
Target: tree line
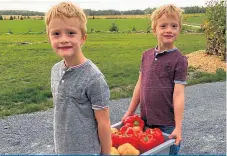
21, 12
187, 10
19, 17
89, 12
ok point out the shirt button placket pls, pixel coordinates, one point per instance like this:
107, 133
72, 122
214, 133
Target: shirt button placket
156, 55
63, 73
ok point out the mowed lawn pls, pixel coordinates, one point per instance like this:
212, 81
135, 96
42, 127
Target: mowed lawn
194, 19
25, 68
102, 25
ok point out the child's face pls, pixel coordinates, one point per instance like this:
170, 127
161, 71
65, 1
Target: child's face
66, 36
167, 30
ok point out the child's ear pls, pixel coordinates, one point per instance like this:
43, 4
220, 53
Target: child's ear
154, 32
83, 39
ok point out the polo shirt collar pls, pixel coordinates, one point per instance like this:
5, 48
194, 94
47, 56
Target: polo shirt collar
74, 67
170, 50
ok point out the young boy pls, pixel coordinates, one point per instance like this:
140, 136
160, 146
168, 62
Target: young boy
162, 78
80, 92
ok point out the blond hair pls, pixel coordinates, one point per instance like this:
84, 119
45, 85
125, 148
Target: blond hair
168, 10
68, 10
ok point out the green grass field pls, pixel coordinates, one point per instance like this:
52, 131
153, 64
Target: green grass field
194, 19
103, 25
24, 26
25, 68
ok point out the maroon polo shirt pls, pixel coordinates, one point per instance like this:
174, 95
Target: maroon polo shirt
160, 71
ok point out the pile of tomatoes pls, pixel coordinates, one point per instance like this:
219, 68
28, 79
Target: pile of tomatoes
134, 133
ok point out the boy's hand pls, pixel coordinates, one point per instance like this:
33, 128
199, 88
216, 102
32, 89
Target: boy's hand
177, 135
127, 114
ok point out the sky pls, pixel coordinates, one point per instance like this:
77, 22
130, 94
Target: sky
44, 5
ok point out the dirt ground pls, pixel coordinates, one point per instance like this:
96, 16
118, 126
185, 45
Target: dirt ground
206, 63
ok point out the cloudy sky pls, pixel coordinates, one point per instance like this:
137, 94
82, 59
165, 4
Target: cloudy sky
44, 5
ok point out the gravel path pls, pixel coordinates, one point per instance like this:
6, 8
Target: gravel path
204, 125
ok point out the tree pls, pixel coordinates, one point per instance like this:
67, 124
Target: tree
1, 18
113, 28
10, 32
133, 28
11, 18
21, 18
215, 28
194, 9
149, 10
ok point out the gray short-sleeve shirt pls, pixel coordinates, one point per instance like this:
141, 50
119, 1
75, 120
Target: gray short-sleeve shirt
77, 92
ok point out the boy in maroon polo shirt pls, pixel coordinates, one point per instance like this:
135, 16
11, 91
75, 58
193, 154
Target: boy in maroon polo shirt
162, 79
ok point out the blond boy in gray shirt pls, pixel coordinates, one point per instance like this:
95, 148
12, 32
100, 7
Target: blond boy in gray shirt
80, 92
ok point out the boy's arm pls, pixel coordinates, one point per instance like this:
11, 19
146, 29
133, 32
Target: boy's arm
135, 99
104, 131
98, 93
178, 103
178, 97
